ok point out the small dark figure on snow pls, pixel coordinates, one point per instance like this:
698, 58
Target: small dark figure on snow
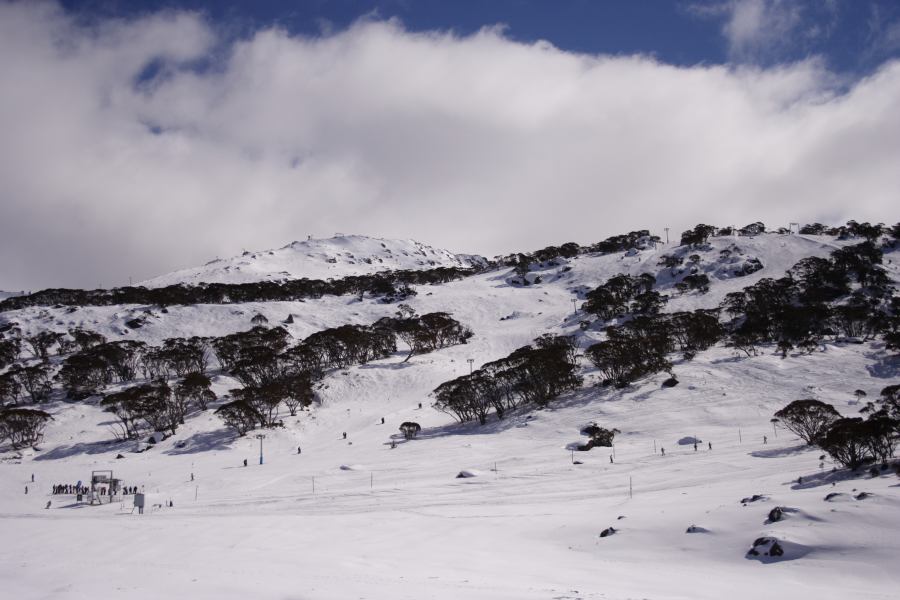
420, 405
298, 449
393, 444
710, 445
32, 478
662, 451
192, 476
48, 504
382, 422
765, 439
695, 446
26, 490
610, 459
345, 435
245, 462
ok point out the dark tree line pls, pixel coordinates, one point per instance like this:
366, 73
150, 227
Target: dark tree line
22, 427
522, 261
848, 294
532, 375
641, 346
390, 285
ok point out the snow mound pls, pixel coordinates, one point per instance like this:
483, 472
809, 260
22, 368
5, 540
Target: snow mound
468, 473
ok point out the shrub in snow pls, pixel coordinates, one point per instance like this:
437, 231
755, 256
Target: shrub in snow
410, 429
599, 436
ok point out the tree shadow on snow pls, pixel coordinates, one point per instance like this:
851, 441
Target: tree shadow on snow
884, 367
779, 452
83, 448
219, 439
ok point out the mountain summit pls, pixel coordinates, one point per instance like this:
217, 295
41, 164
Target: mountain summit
334, 257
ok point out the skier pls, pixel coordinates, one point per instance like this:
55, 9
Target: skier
710, 445
610, 459
48, 504
245, 462
345, 435
32, 478
765, 439
298, 449
192, 476
695, 446
26, 490
382, 422
662, 450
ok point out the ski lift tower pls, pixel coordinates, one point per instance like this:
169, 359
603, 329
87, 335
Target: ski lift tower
100, 479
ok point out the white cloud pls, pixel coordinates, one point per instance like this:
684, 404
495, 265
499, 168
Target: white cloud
478, 144
760, 27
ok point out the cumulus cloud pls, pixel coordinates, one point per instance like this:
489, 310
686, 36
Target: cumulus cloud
131, 148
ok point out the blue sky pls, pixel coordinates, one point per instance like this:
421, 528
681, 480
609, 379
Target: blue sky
852, 36
142, 137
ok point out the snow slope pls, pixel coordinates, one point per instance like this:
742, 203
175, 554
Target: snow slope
400, 524
333, 257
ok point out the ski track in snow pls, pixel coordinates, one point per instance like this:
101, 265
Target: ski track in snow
403, 525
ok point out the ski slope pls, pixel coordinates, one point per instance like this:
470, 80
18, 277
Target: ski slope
398, 523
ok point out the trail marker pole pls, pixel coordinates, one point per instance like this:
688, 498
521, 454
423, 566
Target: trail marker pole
654, 446
740, 437
314, 485
196, 491
630, 490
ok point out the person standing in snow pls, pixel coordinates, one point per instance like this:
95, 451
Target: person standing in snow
662, 450
765, 439
26, 490
710, 445
695, 446
298, 449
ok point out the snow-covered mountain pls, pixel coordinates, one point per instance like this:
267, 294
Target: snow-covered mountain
372, 515
334, 257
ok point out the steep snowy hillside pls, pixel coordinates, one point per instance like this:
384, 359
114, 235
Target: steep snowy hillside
370, 514
337, 256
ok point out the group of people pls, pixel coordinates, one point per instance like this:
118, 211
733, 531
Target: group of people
66, 488
78, 488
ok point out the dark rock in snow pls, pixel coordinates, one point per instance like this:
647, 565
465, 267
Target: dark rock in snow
607, 532
753, 498
670, 382
766, 546
776, 514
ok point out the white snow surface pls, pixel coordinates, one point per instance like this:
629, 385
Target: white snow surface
334, 257
398, 523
